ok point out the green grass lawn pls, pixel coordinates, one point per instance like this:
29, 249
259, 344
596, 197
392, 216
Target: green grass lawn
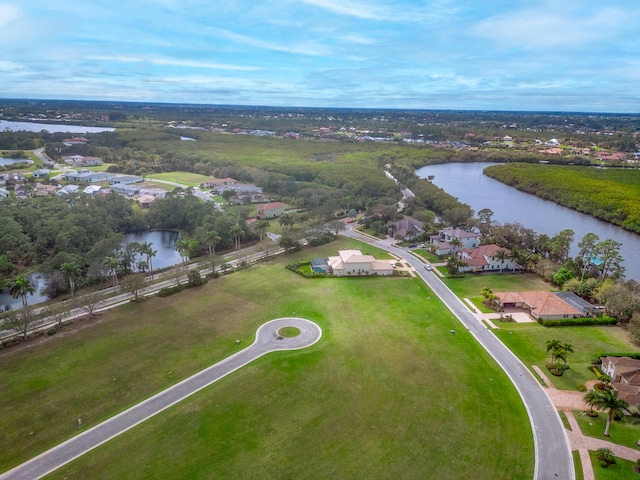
528, 342
577, 464
386, 393
622, 432
185, 178
621, 470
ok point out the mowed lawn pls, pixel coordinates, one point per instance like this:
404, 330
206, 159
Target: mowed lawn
388, 392
528, 342
185, 178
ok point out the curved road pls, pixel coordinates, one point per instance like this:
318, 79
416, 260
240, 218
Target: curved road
267, 340
553, 455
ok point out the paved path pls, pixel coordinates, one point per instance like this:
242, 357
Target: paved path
568, 401
267, 340
552, 454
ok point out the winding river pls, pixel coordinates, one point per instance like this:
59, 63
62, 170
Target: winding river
467, 182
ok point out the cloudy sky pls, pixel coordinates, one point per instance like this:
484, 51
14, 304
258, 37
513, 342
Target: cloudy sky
560, 55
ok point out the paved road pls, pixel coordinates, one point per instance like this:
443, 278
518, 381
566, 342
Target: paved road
267, 340
553, 456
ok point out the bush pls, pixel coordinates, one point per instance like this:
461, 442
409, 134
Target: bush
570, 322
168, 291
195, 279
52, 331
603, 464
581, 387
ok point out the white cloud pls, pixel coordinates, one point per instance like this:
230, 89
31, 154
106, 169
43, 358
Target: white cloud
169, 62
9, 13
295, 47
350, 8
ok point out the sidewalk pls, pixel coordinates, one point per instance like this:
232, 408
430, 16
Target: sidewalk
568, 401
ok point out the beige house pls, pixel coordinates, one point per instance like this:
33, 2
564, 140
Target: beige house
354, 263
539, 304
270, 210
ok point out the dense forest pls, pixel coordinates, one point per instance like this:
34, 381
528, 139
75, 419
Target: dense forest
612, 195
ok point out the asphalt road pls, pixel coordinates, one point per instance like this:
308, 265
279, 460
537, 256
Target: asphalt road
267, 340
553, 455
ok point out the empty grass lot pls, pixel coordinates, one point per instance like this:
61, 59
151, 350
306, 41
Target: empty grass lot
528, 342
388, 392
184, 178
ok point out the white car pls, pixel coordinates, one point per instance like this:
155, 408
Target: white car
427, 267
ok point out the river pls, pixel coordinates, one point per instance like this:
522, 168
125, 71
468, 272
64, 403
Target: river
467, 182
162, 241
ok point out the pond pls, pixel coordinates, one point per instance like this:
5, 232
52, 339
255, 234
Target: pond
467, 182
162, 241
11, 161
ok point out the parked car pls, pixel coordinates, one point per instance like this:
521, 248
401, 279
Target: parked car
427, 267
412, 245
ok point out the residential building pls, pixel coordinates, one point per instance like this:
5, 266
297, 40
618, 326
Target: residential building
442, 242
43, 172
125, 189
485, 259
91, 189
270, 210
354, 263
67, 189
125, 179
43, 190
219, 182
87, 176
4, 193
408, 229
145, 201
540, 305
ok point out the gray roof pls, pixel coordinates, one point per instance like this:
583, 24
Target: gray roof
576, 302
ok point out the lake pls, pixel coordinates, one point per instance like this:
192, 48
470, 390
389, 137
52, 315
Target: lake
163, 242
509, 205
11, 161
50, 127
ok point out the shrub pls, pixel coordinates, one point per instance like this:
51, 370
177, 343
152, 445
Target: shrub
581, 387
168, 291
195, 279
52, 331
567, 322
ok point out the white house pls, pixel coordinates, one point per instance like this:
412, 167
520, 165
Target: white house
485, 258
353, 262
270, 210
442, 241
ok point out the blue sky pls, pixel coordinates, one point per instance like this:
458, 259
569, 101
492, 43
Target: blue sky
560, 55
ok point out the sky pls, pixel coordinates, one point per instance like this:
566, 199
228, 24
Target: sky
538, 55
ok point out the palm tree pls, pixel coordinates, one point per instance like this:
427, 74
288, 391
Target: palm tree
501, 255
21, 287
606, 400
589, 399
286, 220
212, 238
113, 263
456, 243
553, 346
149, 252
261, 227
70, 270
237, 232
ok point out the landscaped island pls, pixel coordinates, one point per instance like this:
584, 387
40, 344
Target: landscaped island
608, 194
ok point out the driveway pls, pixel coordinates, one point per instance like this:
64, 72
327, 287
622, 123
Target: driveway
267, 340
553, 456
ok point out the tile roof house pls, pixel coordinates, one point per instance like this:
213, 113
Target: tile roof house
442, 241
539, 304
483, 259
625, 375
217, 182
270, 210
408, 228
43, 190
145, 201
353, 262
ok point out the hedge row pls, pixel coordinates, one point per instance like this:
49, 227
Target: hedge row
570, 322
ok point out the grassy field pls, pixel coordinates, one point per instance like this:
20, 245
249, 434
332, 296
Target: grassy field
185, 178
528, 342
621, 470
386, 393
623, 432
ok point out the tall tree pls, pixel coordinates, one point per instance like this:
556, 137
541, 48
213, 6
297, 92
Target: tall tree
287, 220
148, 251
112, 264
70, 270
21, 287
606, 400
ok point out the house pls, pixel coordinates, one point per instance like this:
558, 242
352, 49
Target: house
125, 179
87, 176
485, 258
125, 189
540, 305
443, 241
74, 141
91, 189
219, 182
145, 201
616, 367
353, 262
43, 190
408, 228
4, 193
43, 172
22, 191
67, 189
239, 188
270, 210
